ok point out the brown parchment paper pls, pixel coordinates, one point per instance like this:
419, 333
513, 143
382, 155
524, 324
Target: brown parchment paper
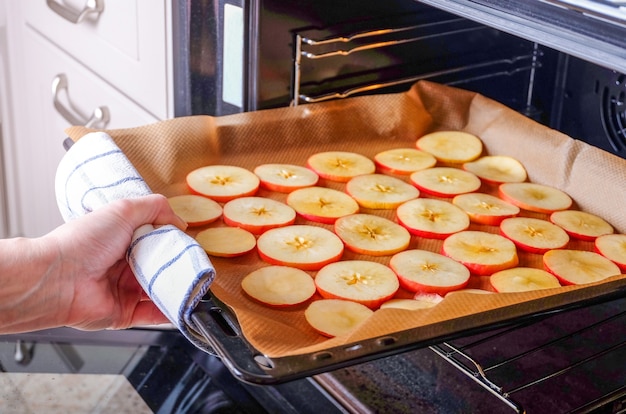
165, 152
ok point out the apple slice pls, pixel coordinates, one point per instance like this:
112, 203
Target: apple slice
403, 161
408, 304
613, 247
535, 197
534, 235
451, 146
340, 165
497, 169
279, 286
223, 182
425, 271
472, 291
226, 241
372, 235
484, 208
302, 246
361, 281
321, 204
523, 279
577, 267
581, 225
335, 317
258, 214
481, 252
445, 181
431, 218
284, 178
194, 209
379, 191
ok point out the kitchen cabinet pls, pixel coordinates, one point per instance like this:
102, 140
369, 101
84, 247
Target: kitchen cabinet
107, 68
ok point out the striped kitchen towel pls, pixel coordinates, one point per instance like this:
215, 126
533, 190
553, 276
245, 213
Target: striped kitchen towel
171, 266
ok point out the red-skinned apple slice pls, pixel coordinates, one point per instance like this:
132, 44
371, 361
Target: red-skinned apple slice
279, 286
445, 181
523, 279
372, 235
361, 281
408, 304
403, 161
340, 166
577, 267
302, 246
454, 147
481, 252
321, 204
535, 197
379, 191
497, 169
258, 214
335, 317
431, 218
484, 208
534, 235
284, 178
223, 183
613, 247
194, 209
425, 271
581, 225
226, 241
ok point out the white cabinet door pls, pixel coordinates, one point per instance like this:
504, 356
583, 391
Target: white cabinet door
38, 142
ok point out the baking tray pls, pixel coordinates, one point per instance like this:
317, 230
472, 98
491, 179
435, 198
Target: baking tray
265, 346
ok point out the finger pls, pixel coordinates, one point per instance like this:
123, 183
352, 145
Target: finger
147, 313
151, 209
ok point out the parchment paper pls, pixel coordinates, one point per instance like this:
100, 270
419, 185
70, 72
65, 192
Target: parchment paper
165, 152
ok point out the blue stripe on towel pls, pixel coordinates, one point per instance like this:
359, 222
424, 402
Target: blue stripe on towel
108, 186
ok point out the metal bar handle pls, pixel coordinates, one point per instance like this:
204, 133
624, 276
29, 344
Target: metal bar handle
76, 16
99, 117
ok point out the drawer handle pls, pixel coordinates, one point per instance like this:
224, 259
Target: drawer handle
98, 119
76, 16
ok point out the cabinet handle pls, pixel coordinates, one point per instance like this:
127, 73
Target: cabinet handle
76, 16
99, 117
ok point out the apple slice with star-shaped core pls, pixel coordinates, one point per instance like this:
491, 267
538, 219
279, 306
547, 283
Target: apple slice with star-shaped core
481, 252
484, 208
284, 178
361, 281
322, 204
497, 169
223, 182
336, 317
445, 181
302, 246
403, 161
535, 197
372, 235
577, 267
380, 191
340, 166
534, 235
279, 286
454, 147
196, 210
258, 214
581, 225
431, 218
522, 279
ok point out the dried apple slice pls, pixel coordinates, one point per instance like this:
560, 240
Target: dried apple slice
258, 214
484, 208
431, 218
497, 169
284, 178
425, 271
481, 252
445, 181
302, 246
196, 210
535, 197
340, 165
581, 225
361, 281
335, 317
613, 247
321, 204
403, 161
223, 182
226, 241
372, 235
279, 286
534, 235
522, 279
451, 146
379, 191
577, 267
